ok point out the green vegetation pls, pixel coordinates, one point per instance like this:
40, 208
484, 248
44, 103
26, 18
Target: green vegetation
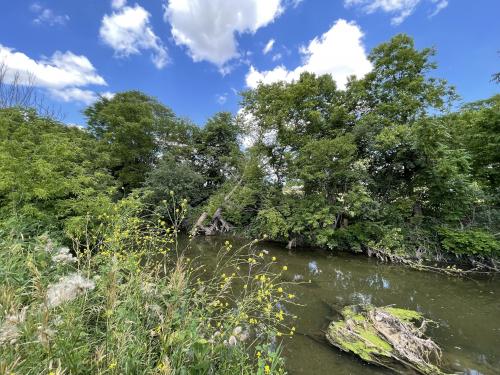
137, 305
389, 166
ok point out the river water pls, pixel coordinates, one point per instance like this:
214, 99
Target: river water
467, 311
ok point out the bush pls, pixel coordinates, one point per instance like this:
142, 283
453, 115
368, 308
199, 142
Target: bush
469, 242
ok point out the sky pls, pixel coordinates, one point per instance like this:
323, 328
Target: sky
196, 56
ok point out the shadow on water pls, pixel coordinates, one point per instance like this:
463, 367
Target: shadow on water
467, 312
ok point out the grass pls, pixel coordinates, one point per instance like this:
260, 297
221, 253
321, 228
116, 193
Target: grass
134, 303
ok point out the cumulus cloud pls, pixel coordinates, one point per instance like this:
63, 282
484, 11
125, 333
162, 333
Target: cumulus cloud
47, 16
128, 31
400, 8
64, 74
269, 46
74, 94
338, 52
208, 28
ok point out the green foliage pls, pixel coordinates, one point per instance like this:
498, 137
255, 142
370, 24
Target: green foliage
217, 151
174, 176
470, 242
51, 175
132, 127
367, 166
135, 305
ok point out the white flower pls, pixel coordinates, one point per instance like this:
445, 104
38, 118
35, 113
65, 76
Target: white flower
232, 341
9, 330
63, 256
67, 289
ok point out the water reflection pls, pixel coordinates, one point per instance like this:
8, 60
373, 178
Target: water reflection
467, 312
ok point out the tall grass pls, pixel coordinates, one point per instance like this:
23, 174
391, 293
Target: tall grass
131, 301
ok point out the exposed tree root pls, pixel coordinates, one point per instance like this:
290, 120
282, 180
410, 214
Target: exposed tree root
477, 266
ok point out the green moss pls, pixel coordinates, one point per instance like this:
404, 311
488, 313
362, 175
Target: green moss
365, 342
403, 314
379, 345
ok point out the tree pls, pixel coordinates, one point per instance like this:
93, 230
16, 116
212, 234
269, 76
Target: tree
217, 150
51, 175
135, 129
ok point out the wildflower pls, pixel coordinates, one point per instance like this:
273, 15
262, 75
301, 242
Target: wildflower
232, 341
267, 369
63, 256
280, 290
9, 330
258, 354
67, 289
112, 365
285, 268
291, 296
273, 259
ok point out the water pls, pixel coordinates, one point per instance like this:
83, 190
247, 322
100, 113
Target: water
467, 311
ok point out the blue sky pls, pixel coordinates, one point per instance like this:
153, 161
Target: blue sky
196, 55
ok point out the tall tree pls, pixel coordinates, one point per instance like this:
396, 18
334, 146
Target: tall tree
133, 127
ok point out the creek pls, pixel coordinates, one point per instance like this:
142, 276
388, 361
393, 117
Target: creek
466, 310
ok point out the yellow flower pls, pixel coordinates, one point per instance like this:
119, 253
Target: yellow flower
273, 259
285, 268
280, 290
291, 296
267, 369
112, 365
258, 354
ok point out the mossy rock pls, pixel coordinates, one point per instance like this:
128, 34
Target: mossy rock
382, 336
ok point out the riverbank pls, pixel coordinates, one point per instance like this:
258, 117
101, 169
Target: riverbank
466, 310
137, 305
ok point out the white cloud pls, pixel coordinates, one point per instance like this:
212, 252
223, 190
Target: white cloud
74, 94
47, 16
128, 31
62, 70
338, 52
269, 46
108, 95
208, 28
277, 56
63, 74
440, 5
117, 4
400, 8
